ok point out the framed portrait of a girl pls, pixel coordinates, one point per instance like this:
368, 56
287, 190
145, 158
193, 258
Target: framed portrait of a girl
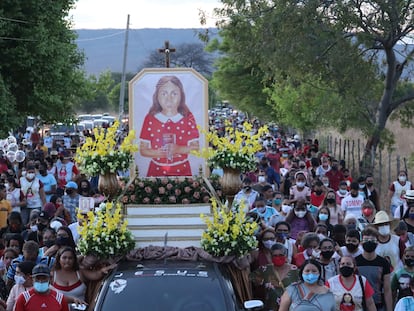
167, 108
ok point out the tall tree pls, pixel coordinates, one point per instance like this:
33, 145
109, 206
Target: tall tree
354, 52
187, 55
40, 63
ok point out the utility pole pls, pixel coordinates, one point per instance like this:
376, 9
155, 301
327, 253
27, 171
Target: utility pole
167, 50
122, 90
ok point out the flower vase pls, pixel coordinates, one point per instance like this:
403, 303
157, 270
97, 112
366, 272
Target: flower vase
230, 183
108, 185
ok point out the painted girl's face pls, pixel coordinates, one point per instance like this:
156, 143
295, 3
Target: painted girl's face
169, 97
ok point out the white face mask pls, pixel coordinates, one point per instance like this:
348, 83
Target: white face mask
261, 179
402, 178
300, 184
30, 176
384, 230
269, 243
343, 192
300, 214
261, 210
326, 184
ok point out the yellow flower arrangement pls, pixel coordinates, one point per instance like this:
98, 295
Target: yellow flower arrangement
101, 154
105, 234
235, 149
229, 232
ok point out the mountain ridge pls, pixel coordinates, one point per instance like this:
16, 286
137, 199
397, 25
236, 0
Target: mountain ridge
104, 48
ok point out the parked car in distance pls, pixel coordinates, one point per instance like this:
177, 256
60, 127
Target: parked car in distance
169, 285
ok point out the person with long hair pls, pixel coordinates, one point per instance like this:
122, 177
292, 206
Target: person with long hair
349, 282
309, 294
169, 132
64, 237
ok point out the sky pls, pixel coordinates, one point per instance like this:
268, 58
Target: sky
96, 14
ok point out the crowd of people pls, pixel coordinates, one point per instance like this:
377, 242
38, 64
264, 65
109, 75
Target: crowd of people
327, 241
40, 267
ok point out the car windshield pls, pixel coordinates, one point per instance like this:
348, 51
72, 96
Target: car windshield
61, 128
165, 293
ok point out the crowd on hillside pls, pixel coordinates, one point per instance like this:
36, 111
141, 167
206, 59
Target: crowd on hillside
326, 239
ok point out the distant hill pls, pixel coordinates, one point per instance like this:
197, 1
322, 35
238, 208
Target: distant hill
104, 48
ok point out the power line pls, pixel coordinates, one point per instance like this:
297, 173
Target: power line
15, 20
102, 37
17, 39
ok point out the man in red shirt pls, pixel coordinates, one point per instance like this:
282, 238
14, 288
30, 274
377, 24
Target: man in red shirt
41, 296
335, 176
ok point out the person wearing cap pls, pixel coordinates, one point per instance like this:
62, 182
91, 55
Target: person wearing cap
33, 190
352, 204
247, 194
401, 278
41, 296
71, 199
66, 171
408, 200
376, 269
395, 191
388, 244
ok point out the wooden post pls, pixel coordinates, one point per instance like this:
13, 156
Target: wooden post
380, 172
353, 156
167, 50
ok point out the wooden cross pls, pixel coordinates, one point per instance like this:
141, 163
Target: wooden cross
167, 50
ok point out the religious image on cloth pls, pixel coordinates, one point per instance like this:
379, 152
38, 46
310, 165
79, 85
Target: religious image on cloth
167, 107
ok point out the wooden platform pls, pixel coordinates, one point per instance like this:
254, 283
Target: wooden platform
180, 224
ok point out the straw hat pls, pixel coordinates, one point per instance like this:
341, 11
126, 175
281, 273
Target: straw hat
382, 218
409, 195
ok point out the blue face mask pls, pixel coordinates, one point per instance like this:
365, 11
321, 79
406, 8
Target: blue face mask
310, 278
277, 201
323, 217
41, 287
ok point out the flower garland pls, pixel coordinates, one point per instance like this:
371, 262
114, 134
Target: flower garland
168, 191
235, 149
100, 155
106, 234
229, 232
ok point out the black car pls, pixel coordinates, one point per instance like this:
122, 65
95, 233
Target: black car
169, 286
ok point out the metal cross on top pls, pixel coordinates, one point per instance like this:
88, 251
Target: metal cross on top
167, 50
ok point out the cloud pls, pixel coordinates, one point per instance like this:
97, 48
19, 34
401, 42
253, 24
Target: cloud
95, 14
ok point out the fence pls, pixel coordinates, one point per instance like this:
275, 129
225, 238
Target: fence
385, 164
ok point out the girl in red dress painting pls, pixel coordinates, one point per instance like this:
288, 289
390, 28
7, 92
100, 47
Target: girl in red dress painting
169, 131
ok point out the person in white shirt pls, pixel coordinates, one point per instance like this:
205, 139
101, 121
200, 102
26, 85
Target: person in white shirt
406, 303
246, 194
352, 204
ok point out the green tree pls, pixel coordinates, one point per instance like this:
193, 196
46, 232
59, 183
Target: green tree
39, 59
345, 61
98, 93
187, 55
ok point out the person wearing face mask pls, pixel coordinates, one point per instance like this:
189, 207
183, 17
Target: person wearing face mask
395, 191
277, 201
335, 212
247, 194
35, 232
23, 281
15, 195
71, 199
33, 191
318, 194
282, 230
329, 262
275, 277
352, 247
323, 217
388, 244
299, 190
267, 193
310, 242
41, 294
362, 187
300, 219
335, 176
372, 192
342, 192
368, 214
376, 269
349, 283
64, 238
48, 180
406, 303
309, 294
268, 215
351, 204
324, 168
262, 256
399, 288
408, 200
